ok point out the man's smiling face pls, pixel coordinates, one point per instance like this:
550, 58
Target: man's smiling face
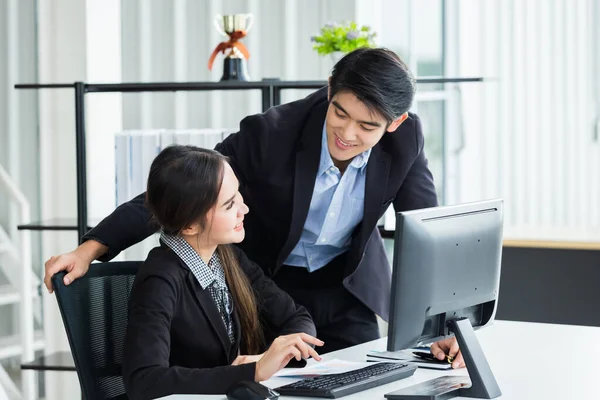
352, 128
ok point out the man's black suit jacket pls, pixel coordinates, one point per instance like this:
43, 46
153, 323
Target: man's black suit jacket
276, 156
176, 342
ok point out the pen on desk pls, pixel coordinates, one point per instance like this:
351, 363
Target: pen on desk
431, 357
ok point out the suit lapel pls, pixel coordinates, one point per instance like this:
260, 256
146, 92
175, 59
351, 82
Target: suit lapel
212, 313
378, 170
305, 174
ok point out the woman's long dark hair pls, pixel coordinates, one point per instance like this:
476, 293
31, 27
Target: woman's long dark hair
183, 185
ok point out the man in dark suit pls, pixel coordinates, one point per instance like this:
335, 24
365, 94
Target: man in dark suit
317, 175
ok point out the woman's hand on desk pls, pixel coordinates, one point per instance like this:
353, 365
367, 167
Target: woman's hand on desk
282, 350
448, 347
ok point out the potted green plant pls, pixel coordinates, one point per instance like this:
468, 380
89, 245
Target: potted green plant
338, 39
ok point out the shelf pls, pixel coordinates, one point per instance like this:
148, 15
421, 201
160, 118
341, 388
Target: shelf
154, 86
60, 361
271, 89
45, 86
224, 85
319, 84
173, 86
59, 224
441, 79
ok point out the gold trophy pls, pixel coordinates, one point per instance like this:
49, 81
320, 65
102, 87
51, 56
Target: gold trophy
234, 27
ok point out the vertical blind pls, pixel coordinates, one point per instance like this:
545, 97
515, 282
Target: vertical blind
530, 131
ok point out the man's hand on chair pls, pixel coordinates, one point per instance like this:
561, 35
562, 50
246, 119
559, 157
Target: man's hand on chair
76, 263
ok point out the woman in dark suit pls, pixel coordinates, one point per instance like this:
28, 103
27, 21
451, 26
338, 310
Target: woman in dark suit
201, 312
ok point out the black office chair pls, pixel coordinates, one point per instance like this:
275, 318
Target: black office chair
94, 310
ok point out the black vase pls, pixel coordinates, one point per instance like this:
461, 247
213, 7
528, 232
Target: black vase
235, 69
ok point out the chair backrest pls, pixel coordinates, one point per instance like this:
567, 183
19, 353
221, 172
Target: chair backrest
94, 310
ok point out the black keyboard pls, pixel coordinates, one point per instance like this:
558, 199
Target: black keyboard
338, 385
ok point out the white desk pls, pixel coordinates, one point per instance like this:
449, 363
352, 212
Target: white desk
530, 361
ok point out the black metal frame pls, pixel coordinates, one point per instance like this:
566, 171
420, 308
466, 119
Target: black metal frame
271, 96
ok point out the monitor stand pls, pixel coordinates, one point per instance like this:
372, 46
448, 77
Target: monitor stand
483, 383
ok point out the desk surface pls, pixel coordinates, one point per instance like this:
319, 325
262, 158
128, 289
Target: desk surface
552, 238
529, 360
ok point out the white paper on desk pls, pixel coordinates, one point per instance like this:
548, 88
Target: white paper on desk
323, 368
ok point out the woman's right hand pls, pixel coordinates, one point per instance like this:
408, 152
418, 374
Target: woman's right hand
76, 263
282, 350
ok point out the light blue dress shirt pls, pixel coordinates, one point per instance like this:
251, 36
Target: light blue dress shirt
336, 208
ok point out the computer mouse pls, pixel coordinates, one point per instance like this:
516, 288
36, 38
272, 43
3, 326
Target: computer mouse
249, 390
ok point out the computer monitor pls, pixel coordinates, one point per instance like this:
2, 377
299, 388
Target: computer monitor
445, 281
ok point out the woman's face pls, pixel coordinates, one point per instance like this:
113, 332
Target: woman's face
224, 223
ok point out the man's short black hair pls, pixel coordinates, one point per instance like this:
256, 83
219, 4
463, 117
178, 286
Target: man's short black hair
378, 78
